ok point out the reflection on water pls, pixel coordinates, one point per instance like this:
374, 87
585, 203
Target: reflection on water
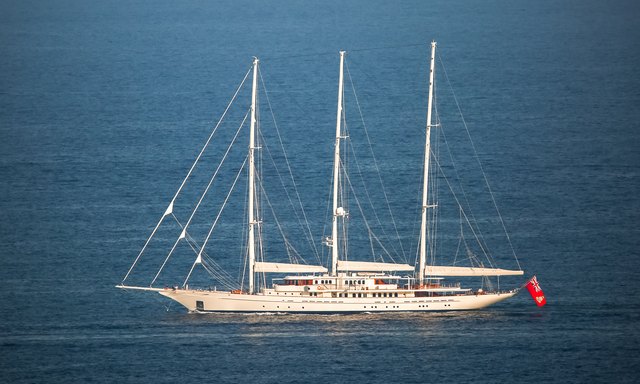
280, 325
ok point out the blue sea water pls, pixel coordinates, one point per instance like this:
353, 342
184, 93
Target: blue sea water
103, 105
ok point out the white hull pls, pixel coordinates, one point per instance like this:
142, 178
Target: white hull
219, 301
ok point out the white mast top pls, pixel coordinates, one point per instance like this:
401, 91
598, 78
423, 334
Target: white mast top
427, 155
334, 243
252, 176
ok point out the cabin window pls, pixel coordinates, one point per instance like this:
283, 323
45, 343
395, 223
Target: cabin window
200, 305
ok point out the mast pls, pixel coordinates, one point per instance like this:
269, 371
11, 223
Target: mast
336, 172
252, 176
427, 155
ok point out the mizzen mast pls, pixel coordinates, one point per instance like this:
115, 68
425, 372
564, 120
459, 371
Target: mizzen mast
252, 178
337, 211
427, 155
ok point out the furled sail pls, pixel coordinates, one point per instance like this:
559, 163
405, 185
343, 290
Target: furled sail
261, 266
362, 266
435, 270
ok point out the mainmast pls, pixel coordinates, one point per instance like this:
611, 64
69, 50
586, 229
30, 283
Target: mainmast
252, 177
337, 212
427, 155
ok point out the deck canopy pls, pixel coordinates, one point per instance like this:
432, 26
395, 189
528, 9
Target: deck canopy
362, 266
435, 270
261, 266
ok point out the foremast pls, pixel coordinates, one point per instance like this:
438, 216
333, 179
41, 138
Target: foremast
337, 212
427, 155
251, 242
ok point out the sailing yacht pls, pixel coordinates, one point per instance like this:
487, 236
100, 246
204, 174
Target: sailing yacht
346, 286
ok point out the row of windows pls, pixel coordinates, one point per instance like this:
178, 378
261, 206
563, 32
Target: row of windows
380, 294
290, 293
374, 294
385, 294
352, 282
372, 307
352, 295
298, 282
365, 307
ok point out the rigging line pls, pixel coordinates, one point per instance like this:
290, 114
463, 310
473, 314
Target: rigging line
375, 163
222, 274
472, 256
366, 190
373, 250
260, 255
435, 183
286, 158
217, 275
325, 250
206, 144
206, 190
464, 193
455, 258
434, 228
372, 235
480, 164
284, 56
308, 235
473, 220
460, 206
290, 247
224, 157
215, 222
344, 193
212, 272
388, 47
244, 240
415, 230
196, 248
314, 54
346, 176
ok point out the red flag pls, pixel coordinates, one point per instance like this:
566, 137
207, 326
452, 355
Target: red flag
536, 292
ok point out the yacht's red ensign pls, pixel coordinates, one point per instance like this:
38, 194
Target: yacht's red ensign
536, 292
